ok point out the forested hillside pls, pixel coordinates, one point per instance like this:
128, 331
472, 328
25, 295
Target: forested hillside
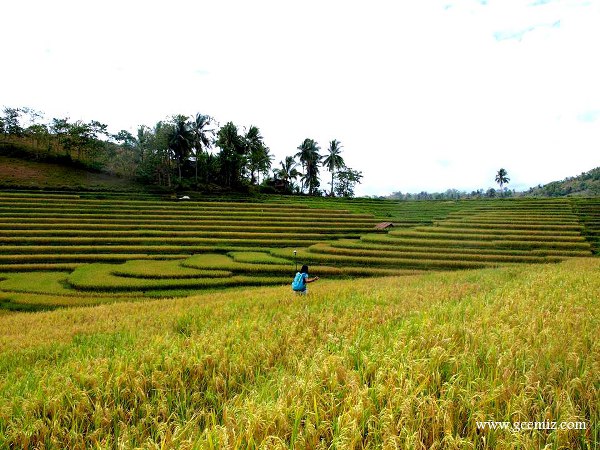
586, 185
179, 153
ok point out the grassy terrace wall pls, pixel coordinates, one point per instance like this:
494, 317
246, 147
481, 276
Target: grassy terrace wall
63, 249
588, 213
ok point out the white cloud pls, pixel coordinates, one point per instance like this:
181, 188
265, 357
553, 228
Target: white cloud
403, 85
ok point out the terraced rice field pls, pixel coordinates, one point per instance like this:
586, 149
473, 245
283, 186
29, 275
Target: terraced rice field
423, 360
62, 250
483, 234
588, 212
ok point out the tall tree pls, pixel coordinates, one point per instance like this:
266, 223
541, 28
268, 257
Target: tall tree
231, 156
203, 137
259, 159
287, 172
309, 157
11, 121
153, 155
333, 160
156, 154
346, 180
181, 141
61, 128
39, 135
144, 139
264, 163
90, 139
502, 178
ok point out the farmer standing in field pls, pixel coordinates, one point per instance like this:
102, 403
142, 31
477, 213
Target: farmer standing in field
300, 281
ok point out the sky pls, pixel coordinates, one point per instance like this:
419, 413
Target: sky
424, 95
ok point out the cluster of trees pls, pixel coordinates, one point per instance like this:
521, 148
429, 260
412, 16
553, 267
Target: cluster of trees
59, 139
181, 152
343, 178
453, 194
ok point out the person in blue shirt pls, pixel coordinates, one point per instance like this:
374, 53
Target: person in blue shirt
301, 280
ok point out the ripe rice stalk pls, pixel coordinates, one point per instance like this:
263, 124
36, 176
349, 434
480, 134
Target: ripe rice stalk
408, 362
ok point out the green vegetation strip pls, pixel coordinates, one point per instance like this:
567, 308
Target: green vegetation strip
406, 263
152, 220
100, 277
238, 241
66, 212
215, 232
257, 258
75, 258
505, 226
493, 236
467, 230
364, 245
291, 227
169, 251
429, 254
223, 262
67, 267
506, 244
164, 269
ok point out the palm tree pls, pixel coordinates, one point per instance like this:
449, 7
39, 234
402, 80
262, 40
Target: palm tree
333, 160
259, 158
265, 162
180, 140
202, 136
502, 178
231, 156
310, 157
288, 171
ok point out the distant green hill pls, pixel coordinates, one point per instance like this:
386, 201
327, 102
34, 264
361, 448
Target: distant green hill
585, 185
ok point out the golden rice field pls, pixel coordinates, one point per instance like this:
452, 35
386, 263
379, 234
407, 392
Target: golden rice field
396, 362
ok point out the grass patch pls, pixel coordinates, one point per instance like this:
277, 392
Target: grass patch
258, 258
164, 269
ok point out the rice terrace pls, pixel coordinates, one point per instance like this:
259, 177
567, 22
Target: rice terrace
133, 321
300, 225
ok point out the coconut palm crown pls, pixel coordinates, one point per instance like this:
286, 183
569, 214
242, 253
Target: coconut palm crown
502, 178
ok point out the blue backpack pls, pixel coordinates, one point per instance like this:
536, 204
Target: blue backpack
298, 284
